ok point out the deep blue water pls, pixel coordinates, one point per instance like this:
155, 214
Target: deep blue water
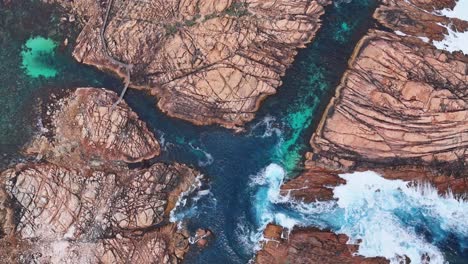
238, 197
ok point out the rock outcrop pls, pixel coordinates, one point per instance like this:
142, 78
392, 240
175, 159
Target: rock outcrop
401, 110
312, 245
309, 246
208, 62
85, 128
418, 18
400, 102
79, 202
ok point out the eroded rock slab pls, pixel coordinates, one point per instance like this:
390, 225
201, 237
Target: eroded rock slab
419, 18
85, 127
309, 246
400, 102
79, 202
57, 202
208, 62
312, 245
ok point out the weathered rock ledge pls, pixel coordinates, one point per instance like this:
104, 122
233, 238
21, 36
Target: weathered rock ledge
402, 102
208, 62
401, 110
418, 18
309, 245
79, 202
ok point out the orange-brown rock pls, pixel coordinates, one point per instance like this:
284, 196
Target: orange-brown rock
309, 246
418, 18
209, 62
85, 128
400, 110
314, 184
400, 102
59, 203
157, 246
79, 202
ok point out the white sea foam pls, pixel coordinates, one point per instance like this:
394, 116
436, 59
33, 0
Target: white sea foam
380, 215
179, 212
208, 157
378, 212
460, 11
454, 41
269, 124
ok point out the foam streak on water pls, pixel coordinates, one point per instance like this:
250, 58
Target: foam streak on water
388, 218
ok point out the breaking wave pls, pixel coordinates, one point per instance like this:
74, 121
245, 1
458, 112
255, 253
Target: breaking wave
387, 218
187, 206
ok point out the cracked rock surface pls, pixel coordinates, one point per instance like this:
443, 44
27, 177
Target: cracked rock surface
309, 246
400, 102
418, 18
84, 127
401, 110
79, 202
208, 62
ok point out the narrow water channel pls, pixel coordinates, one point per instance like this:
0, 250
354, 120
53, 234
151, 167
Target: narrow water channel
243, 170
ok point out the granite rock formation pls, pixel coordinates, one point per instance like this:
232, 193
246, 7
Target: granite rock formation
309, 245
87, 129
418, 18
400, 102
208, 62
79, 202
401, 110
312, 245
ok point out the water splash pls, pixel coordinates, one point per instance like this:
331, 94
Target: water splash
454, 41
187, 204
387, 218
460, 10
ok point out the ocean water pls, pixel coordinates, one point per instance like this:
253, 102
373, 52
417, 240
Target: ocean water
240, 193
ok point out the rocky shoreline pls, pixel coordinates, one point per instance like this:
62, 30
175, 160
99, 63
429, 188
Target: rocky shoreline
81, 196
208, 62
400, 110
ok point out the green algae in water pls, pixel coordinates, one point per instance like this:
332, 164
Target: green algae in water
38, 56
311, 79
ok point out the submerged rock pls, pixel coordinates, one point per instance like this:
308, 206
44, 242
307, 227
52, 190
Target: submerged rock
208, 62
79, 202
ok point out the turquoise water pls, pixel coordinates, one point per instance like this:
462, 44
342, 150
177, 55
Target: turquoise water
34, 64
38, 56
235, 200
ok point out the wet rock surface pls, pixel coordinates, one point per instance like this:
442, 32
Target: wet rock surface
309, 245
418, 18
79, 202
401, 110
312, 245
208, 62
